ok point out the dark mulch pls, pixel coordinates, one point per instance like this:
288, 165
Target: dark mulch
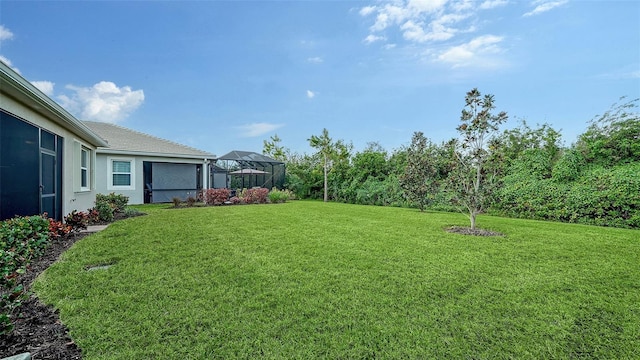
38, 329
476, 232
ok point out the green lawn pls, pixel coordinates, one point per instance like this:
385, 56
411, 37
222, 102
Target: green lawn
313, 280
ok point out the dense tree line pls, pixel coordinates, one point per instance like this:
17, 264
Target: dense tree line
523, 171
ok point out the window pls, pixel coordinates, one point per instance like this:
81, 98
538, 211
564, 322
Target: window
84, 169
121, 174
83, 162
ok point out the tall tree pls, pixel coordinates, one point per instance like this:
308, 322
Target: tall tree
420, 178
325, 146
469, 181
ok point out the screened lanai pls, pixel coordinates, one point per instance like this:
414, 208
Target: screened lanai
246, 169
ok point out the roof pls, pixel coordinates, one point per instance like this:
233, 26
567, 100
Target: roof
15, 86
250, 158
126, 141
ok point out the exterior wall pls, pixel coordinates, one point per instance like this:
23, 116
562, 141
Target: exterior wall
71, 200
136, 191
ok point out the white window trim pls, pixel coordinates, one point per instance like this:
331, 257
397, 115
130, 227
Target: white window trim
87, 169
110, 185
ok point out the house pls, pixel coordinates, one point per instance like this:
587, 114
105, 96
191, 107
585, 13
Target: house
147, 169
47, 156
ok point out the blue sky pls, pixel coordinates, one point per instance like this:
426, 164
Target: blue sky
226, 75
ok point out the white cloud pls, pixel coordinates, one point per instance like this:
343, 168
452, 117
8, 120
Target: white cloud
103, 101
5, 34
389, 46
315, 60
367, 10
419, 20
258, 129
421, 6
311, 94
474, 53
44, 86
373, 38
544, 6
490, 4
9, 64
438, 29
463, 5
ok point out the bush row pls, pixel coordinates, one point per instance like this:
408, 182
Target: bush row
601, 196
245, 196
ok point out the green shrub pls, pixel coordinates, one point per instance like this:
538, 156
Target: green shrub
104, 210
131, 212
601, 196
116, 201
279, 196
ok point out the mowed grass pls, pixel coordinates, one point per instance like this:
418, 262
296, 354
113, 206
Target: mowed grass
313, 280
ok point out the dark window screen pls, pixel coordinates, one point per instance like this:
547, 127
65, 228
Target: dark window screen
19, 167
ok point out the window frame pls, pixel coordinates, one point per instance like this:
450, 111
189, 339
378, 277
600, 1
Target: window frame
85, 171
131, 173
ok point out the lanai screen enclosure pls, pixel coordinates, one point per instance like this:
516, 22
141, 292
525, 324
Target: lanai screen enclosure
245, 169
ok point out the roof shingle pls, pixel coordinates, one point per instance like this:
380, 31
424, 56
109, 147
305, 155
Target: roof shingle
127, 140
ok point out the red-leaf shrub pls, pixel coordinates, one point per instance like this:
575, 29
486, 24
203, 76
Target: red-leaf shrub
215, 196
78, 220
235, 200
58, 229
255, 195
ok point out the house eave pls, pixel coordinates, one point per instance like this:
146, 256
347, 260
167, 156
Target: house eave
109, 151
19, 88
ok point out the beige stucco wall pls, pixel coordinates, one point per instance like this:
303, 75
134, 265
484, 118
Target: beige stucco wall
136, 195
70, 200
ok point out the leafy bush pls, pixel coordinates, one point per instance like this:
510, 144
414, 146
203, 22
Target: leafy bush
77, 220
235, 200
22, 239
131, 212
176, 201
278, 196
58, 229
215, 196
604, 197
255, 195
104, 210
116, 201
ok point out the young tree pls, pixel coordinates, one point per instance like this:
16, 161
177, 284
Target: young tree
469, 181
273, 148
325, 146
420, 178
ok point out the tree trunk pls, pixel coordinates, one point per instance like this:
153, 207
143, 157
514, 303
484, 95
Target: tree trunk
326, 197
472, 217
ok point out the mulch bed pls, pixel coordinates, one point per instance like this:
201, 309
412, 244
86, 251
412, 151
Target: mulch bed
476, 232
38, 329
